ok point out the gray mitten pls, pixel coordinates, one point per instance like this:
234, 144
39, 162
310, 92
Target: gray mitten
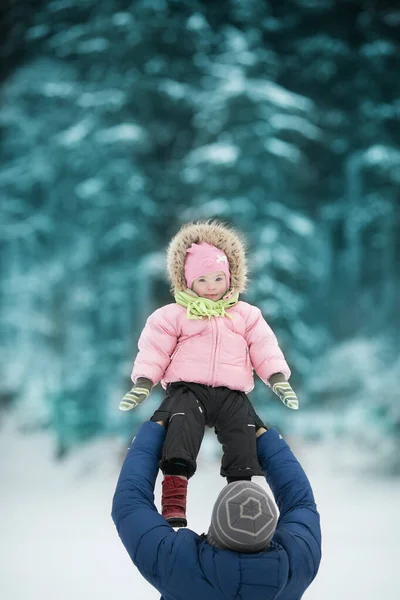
137, 395
283, 390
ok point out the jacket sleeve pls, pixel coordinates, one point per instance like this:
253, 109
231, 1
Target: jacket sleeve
146, 535
298, 528
156, 345
265, 354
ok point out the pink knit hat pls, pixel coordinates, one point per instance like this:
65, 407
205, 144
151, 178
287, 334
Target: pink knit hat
202, 259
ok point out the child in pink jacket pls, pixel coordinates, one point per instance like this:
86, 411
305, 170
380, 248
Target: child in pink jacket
204, 349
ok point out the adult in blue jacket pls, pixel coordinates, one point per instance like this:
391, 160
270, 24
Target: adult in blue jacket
280, 562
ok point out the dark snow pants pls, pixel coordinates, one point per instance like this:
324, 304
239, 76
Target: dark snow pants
189, 407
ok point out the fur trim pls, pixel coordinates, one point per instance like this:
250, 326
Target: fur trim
223, 236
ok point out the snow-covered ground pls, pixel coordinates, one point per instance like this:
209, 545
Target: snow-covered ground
58, 542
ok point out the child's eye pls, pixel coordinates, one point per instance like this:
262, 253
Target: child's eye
219, 279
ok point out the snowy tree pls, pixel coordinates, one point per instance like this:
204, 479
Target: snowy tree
122, 120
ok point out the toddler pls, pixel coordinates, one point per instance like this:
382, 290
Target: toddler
203, 349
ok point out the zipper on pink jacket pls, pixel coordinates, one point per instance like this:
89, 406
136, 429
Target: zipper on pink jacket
214, 320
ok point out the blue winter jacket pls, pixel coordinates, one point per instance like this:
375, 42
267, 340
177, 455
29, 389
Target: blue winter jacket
183, 566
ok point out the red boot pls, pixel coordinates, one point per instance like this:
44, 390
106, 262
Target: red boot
173, 501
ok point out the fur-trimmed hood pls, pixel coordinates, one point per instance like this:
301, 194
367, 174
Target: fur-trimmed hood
220, 235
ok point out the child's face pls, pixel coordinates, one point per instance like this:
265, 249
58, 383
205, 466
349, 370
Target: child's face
211, 286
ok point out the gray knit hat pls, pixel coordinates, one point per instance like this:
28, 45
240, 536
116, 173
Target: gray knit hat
243, 519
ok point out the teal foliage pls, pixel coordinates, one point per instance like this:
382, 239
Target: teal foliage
121, 120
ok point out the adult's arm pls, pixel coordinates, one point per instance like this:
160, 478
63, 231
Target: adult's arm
146, 535
299, 522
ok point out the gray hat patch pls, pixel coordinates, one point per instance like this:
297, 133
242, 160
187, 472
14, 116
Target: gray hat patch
244, 518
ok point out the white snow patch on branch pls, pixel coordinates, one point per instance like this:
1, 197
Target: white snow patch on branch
283, 149
89, 188
300, 124
76, 133
381, 154
174, 89
218, 153
126, 132
278, 95
197, 22
94, 45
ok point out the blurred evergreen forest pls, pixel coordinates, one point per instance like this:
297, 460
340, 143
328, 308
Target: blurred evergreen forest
122, 119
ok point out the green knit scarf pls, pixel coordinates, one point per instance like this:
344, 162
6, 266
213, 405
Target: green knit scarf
197, 308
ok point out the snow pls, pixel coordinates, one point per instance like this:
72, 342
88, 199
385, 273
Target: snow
99, 44
278, 95
90, 187
295, 123
197, 22
75, 134
219, 153
123, 132
382, 154
235, 83
293, 220
173, 89
282, 149
57, 539
122, 19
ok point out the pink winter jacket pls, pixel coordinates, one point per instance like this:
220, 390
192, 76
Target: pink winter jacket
217, 352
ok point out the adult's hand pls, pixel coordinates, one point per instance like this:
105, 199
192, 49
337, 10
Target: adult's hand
260, 431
